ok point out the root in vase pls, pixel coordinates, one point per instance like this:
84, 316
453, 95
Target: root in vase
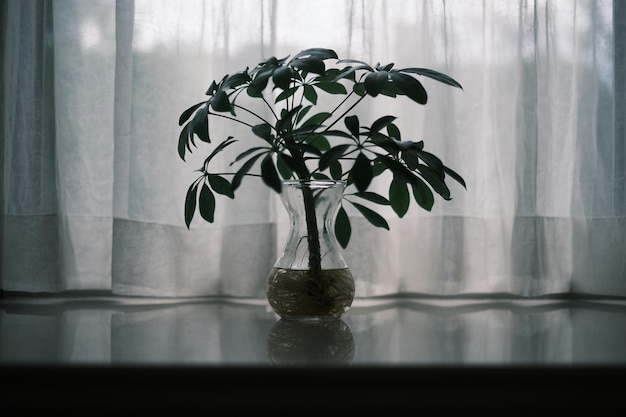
302, 294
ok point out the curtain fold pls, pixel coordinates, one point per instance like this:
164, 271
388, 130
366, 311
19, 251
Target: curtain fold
93, 189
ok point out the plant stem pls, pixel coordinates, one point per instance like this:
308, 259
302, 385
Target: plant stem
313, 238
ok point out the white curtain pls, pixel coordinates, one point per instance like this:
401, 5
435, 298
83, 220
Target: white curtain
93, 188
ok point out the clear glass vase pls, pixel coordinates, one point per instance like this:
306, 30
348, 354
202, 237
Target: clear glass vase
311, 280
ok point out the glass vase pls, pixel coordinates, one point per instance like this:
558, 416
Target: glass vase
310, 279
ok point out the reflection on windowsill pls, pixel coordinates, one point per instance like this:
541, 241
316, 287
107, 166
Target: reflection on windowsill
310, 343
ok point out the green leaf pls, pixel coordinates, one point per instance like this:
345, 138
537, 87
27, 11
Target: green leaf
235, 80
339, 133
431, 160
317, 119
212, 89
378, 168
283, 166
319, 176
391, 90
200, 123
220, 102
359, 89
190, 203
418, 146
221, 185
286, 94
435, 181
183, 142
399, 170
371, 216
270, 175
336, 171
259, 83
311, 64
352, 123
295, 165
243, 171
187, 113
381, 123
394, 132
343, 229
310, 94
363, 65
410, 159
405, 145
264, 131
286, 118
250, 151
318, 53
228, 141
422, 195
267, 64
302, 113
375, 82
399, 197
387, 67
389, 145
362, 172
409, 86
373, 197
334, 75
207, 203
303, 147
319, 141
282, 77
332, 87
435, 75
332, 155
455, 176
348, 73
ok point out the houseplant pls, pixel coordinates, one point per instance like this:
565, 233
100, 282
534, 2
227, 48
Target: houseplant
304, 139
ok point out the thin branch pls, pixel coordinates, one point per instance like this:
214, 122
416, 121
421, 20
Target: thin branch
344, 113
252, 113
269, 106
230, 118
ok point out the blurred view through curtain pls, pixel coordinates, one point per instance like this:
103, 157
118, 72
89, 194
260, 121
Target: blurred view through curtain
93, 189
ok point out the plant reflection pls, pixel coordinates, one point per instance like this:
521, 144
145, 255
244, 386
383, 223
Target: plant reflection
303, 343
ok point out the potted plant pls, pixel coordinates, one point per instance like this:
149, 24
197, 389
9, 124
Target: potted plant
312, 152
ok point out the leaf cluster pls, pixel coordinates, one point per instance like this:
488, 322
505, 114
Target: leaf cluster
301, 140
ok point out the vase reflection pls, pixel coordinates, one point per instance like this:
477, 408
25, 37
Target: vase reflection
305, 343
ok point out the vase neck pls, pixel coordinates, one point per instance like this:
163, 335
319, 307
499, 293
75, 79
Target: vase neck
312, 206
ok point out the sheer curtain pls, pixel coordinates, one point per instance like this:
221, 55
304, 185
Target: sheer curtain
93, 189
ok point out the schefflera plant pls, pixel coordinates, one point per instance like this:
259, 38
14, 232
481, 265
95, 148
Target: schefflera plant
306, 138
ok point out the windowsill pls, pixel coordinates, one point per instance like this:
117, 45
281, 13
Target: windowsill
418, 352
